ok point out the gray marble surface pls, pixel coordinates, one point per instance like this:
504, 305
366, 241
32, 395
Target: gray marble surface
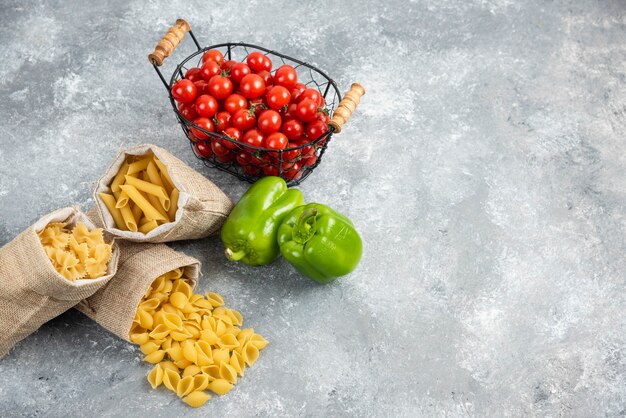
485, 170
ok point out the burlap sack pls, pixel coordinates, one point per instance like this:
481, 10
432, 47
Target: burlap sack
202, 206
31, 290
114, 306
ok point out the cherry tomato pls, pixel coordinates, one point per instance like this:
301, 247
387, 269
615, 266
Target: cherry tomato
203, 150
315, 129
277, 97
184, 91
222, 121
218, 148
204, 123
269, 121
228, 65
220, 87
224, 159
243, 120
259, 62
321, 101
193, 74
251, 170
293, 129
311, 94
296, 92
289, 112
258, 105
213, 54
252, 86
286, 76
270, 170
309, 160
209, 69
234, 134
239, 71
254, 137
267, 77
294, 173
206, 106
277, 140
243, 158
306, 110
292, 155
202, 87
323, 116
188, 110
234, 102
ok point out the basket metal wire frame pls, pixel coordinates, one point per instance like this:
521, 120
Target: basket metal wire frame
313, 78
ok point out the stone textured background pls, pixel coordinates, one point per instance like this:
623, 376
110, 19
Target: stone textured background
485, 169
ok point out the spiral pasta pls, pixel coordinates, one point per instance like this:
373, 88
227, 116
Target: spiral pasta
194, 341
77, 254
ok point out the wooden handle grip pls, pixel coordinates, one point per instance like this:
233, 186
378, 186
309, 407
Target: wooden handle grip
169, 42
347, 105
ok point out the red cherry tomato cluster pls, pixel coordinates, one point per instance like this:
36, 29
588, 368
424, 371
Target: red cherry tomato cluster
255, 106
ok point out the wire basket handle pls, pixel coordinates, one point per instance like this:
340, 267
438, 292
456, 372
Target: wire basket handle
169, 42
346, 106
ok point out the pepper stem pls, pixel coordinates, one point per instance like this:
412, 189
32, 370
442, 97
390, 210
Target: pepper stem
234, 256
304, 229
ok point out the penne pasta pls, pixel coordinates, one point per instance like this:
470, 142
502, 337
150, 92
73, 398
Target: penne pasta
150, 188
119, 178
149, 211
148, 226
164, 174
109, 201
137, 213
154, 201
122, 200
153, 174
129, 219
138, 166
174, 196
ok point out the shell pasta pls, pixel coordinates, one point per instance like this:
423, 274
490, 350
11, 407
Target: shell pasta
194, 341
76, 254
142, 195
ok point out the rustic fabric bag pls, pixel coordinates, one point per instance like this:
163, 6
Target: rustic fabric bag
114, 306
31, 290
202, 206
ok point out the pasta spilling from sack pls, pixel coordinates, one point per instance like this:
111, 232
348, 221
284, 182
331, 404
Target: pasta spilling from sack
79, 253
194, 341
142, 196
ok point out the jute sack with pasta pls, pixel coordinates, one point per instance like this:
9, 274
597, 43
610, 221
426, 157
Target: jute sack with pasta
54, 264
115, 305
148, 195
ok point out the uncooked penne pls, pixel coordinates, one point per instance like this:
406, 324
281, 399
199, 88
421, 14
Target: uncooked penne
154, 201
129, 219
109, 201
119, 178
164, 172
148, 226
148, 210
150, 188
153, 174
174, 196
137, 213
139, 165
122, 200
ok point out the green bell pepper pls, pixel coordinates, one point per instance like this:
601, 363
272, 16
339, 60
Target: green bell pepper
319, 242
249, 233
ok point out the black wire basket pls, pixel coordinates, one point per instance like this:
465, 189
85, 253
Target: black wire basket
246, 161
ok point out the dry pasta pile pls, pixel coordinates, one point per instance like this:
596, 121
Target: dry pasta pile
76, 254
142, 196
195, 341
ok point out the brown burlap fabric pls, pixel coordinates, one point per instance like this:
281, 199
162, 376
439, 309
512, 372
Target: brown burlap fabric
31, 290
202, 207
114, 306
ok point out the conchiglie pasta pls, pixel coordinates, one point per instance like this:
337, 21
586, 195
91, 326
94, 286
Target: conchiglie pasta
194, 341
